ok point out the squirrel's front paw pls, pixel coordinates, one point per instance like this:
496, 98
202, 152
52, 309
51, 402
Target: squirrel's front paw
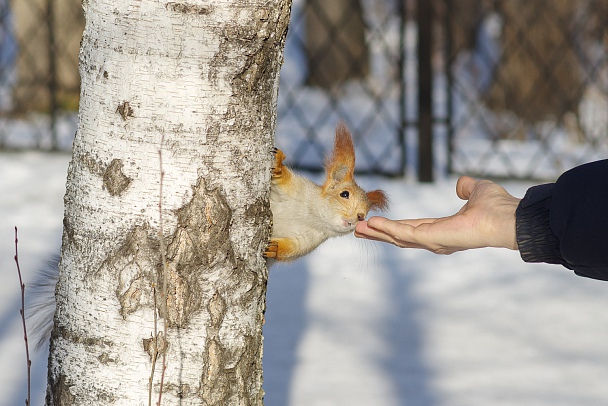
271, 249
277, 166
284, 249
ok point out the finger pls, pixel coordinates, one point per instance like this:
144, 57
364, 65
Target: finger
418, 222
429, 234
465, 186
391, 229
378, 222
398, 232
394, 232
362, 230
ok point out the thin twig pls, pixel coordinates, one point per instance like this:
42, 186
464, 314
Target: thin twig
155, 350
163, 256
22, 312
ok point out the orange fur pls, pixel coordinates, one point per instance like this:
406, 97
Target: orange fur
343, 155
377, 200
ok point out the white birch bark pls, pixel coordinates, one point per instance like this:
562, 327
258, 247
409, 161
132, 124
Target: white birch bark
202, 76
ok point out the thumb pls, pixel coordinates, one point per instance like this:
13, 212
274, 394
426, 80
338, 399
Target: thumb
465, 186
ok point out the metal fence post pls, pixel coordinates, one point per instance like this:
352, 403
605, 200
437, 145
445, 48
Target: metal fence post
425, 92
52, 81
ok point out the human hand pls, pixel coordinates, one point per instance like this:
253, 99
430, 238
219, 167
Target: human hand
486, 220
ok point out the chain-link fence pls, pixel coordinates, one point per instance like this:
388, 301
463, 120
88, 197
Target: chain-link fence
527, 84
344, 62
504, 88
39, 81
498, 88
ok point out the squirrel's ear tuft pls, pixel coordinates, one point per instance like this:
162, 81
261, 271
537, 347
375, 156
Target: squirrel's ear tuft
340, 166
377, 200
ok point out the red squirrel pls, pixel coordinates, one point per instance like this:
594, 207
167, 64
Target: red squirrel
305, 214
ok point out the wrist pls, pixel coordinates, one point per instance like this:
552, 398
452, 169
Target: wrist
507, 226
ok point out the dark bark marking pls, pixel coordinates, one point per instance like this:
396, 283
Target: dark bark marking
161, 345
259, 213
58, 391
92, 165
187, 8
134, 263
217, 310
227, 370
125, 110
204, 226
68, 232
105, 359
114, 180
182, 391
270, 35
200, 243
213, 390
87, 341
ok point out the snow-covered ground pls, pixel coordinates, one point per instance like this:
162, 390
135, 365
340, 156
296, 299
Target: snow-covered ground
362, 323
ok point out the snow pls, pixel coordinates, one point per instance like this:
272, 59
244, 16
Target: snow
31, 198
363, 323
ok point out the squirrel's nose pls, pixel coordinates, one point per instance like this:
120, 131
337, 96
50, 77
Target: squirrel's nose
360, 216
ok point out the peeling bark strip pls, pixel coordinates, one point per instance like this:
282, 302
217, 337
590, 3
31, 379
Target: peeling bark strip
214, 389
134, 262
199, 77
200, 242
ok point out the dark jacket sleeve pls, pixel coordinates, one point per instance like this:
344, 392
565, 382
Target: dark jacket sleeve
566, 222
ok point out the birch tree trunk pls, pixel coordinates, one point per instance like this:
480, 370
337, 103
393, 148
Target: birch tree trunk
198, 81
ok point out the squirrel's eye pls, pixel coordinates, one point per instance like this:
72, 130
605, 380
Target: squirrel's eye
344, 194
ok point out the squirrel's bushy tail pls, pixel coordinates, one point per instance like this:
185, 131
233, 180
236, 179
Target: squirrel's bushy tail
40, 305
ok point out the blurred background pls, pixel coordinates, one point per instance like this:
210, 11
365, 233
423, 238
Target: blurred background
515, 90
495, 88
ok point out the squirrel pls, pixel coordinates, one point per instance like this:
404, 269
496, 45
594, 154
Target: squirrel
304, 216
